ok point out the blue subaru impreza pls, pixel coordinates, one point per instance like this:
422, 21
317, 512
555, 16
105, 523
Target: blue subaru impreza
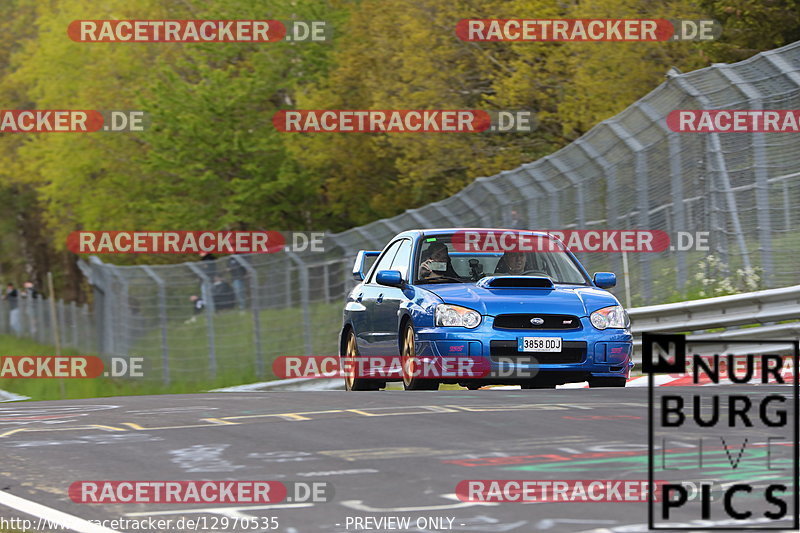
531, 315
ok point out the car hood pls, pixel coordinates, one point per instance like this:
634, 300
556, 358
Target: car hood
562, 299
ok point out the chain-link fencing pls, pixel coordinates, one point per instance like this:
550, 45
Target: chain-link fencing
628, 172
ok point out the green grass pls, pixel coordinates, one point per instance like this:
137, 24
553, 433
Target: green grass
281, 332
57, 389
190, 371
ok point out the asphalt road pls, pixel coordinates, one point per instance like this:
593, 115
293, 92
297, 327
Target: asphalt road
386, 454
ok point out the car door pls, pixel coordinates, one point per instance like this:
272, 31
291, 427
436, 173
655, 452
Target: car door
387, 304
369, 337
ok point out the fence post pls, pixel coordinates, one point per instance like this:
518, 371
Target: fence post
501, 199
642, 199
62, 321
123, 314
104, 303
212, 350
763, 212
41, 333
575, 181
720, 171
162, 318
73, 312
53, 317
326, 285
550, 193
678, 207
288, 284
254, 307
676, 188
475, 206
302, 270
763, 216
719, 242
611, 210
24, 321
87, 326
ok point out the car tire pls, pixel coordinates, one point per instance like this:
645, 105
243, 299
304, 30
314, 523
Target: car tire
408, 357
607, 382
473, 386
354, 383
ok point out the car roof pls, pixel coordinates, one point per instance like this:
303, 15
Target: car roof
445, 231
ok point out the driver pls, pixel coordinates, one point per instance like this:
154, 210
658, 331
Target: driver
438, 264
512, 263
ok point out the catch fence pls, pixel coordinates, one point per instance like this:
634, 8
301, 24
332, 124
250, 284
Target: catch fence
628, 172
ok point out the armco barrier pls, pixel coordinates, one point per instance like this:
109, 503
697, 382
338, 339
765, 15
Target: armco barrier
766, 315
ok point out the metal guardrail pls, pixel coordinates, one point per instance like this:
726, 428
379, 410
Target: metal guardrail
772, 314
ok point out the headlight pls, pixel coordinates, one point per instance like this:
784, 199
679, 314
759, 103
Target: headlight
610, 317
455, 315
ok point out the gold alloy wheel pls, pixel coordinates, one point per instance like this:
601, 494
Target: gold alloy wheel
350, 367
409, 356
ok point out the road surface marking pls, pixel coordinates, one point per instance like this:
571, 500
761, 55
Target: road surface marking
46, 514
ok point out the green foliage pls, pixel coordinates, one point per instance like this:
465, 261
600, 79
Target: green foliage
212, 158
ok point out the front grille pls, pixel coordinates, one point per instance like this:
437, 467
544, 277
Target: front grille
571, 352
523, 321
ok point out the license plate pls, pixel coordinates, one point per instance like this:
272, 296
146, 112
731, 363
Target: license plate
538, 344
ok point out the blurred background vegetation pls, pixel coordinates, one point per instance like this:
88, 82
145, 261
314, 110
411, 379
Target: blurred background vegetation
212, 158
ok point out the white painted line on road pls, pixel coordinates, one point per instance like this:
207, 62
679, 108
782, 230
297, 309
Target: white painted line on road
49, 517
221, 510
359, 505
310, 384
6, 396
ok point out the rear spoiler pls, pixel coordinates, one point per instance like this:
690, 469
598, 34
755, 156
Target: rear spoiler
359, 273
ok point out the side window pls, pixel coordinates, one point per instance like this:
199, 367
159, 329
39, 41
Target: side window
384, 260
402, 258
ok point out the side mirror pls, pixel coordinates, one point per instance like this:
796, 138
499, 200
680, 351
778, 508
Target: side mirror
391, 278
605, 280
362, 264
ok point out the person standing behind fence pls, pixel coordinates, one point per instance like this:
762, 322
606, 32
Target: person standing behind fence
238, 273
210, 267
198, 306
12, 297
30, 293
210, 270
223, 294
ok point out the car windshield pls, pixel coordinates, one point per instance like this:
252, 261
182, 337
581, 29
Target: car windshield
440, 261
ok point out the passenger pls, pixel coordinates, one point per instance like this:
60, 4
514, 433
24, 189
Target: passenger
437, 264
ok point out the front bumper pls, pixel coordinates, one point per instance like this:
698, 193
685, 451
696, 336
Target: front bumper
586, 352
